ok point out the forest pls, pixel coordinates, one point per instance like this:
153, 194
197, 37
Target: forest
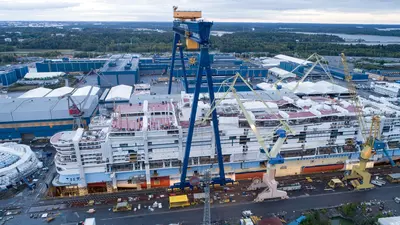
90, 41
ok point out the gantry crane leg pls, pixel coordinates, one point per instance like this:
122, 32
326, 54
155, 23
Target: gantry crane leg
204, 65
183, 69
177, 37
177, 44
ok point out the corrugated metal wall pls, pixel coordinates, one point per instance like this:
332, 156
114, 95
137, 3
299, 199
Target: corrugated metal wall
68, 66
8, 77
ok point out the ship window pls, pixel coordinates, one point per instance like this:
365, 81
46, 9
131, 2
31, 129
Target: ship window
123, 145
150, 150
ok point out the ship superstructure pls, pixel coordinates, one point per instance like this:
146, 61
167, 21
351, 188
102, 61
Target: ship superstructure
142, 143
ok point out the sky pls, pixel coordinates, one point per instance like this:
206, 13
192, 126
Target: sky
297, 11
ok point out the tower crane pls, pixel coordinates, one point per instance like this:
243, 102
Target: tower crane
273, 154
369, 141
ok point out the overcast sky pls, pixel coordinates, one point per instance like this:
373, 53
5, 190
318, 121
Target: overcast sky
313, 11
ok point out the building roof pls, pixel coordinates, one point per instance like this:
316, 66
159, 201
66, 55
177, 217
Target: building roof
320, 87
84, 91
44, 75
394, 87
120, 92
36, 93
60, 92
120, 63
395, 220
46, 108
281, 73
293, 59
271, 62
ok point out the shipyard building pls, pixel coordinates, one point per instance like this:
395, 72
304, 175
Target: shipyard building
127, 69
41, 112
10, 74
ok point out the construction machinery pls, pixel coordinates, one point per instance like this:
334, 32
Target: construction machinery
122, 206
335, 183
359, 171
272, 154
177, 201
197, 35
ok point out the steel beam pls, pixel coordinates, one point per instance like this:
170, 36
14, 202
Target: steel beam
205, 58
184, 69
192, 120
177, 37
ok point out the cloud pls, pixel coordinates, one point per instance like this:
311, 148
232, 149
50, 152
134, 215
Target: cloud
326, 11
32, 5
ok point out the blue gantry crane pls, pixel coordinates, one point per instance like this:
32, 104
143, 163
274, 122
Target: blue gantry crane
197, 35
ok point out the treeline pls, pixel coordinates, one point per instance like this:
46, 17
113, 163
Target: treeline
90, 41
7, 58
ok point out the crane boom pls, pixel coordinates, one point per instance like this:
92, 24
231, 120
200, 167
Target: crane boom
251, 122
359, 171
353, 93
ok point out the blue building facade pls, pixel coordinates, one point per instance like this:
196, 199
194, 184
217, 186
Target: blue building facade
119, 69
68, 65
10, 74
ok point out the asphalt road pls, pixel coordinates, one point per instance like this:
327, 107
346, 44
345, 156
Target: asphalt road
229, 211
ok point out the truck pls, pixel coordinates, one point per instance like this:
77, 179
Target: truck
122, 206
90, 221
291, 187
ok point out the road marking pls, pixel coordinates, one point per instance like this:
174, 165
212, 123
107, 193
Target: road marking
76, 213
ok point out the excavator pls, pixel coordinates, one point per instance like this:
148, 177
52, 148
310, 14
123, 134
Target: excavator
370, 144
274, 158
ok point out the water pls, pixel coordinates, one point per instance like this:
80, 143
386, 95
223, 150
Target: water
366, 39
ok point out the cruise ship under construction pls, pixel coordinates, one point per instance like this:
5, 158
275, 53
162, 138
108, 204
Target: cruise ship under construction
141, 144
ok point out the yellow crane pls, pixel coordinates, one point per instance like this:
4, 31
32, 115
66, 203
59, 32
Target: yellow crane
369, 140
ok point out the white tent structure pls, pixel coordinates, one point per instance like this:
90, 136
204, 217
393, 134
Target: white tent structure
280, 73
47, 75
120, 92
293, 59
36, 93
84, 91
60, 92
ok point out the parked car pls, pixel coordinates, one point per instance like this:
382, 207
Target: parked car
378, 183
